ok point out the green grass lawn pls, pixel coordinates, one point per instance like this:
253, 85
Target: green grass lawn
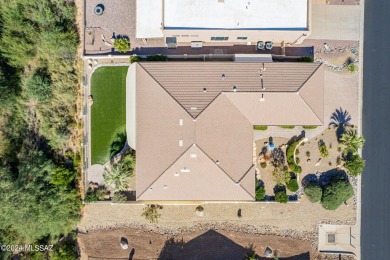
108, 112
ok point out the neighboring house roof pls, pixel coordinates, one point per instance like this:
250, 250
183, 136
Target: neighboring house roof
207, 153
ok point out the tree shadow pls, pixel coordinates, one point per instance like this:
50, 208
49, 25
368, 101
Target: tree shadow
259, 184
118, 143
278, 188
296, 137
326, 177
131, 255
309, 179
340, 118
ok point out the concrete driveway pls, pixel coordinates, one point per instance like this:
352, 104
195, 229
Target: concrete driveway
335, 22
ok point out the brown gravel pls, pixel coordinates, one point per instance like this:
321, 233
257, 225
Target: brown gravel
210, 244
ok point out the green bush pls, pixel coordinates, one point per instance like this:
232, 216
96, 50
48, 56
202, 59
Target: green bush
355, 165
281, 197
260, 193
287, 126
308, 154
151, 213
158, 57
308, 127
91, 197
122, 44
119, 197
297, 160
306, 59
292, 185
290, 158
352, 67
263, 165
336, 192
313, 192
134, 58
323, 150
39, 87
281, 175
200, 208
260, 127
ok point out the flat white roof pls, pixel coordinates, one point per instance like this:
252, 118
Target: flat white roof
233, 14
149, 19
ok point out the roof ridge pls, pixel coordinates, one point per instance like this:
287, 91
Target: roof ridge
165, 170
311, 75
304, 100
238, 182
250, 168
164, 89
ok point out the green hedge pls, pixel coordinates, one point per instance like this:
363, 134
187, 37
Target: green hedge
309, 127
338, 191
290, 158
287, 126
313, 192
260, 193
281, 197
260, 127
292, 185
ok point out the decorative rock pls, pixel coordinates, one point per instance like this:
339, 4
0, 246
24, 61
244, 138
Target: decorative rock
268, 252
90, 100
124, 243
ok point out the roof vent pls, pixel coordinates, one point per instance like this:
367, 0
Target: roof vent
165, 187
176, 174
234, 89
180, 143
217, 162
150, 189
262, 98
223, 77
204, 90
194, 108
193, 155
185, 170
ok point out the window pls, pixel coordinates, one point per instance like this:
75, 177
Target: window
242, 38
219, 38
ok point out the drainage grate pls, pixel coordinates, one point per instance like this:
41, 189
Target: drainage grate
331, 238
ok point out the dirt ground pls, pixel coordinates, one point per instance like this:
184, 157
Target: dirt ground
211, 244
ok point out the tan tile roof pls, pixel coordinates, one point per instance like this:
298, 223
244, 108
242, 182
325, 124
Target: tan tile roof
185, 81
194, 176
221, 126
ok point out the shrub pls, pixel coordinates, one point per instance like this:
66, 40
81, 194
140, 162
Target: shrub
119, 197
287, 126
260, 193
277, 156
292, 185
281, 175
338, 160
260, 127
355, 165
150, 212
308, 127
118, 175
352, 67
91, 197
297, 152
308, 154
122, 44
199, 208
352, 142
336, 192
323, 150
134, 58
281, 197
263, 165
100, 194
290, 158
297, 160
158, 57
313, 192
306, 59
39, 87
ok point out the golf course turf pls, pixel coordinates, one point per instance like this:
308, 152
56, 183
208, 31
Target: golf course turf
108, 112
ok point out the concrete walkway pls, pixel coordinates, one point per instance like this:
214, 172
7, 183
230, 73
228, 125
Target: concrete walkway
335, 22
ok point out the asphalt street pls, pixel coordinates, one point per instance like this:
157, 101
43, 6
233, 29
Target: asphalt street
375, 232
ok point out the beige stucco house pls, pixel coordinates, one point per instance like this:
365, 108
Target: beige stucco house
191, 123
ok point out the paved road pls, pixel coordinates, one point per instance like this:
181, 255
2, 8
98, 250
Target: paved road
375, 233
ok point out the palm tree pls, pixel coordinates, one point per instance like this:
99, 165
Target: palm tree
352, 142
118, 176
